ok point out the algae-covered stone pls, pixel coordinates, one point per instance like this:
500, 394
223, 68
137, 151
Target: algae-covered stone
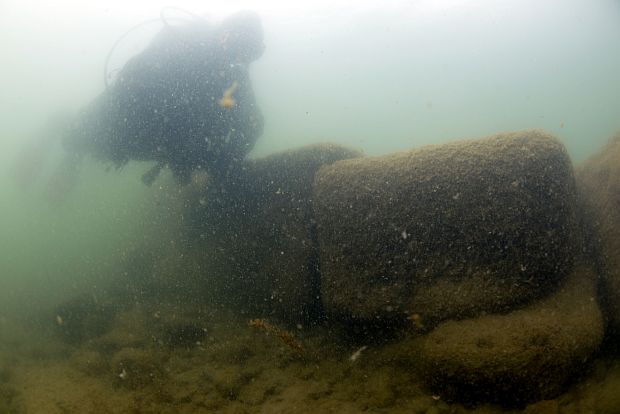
128, 330
137, 367
90, 362
82, 318
599, 180
446, 231
526, 355
257, 233
182, 325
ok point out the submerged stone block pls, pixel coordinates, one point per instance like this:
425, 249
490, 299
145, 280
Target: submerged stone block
446, 231
257, 234
526, 355
90, 362
599, 182
138, 367
83, 318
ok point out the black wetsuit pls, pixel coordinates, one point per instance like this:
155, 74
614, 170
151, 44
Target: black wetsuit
165, 106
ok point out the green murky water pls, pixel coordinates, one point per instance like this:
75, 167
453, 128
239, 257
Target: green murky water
158, 329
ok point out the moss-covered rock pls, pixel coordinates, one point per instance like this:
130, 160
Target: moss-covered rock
523, 356
182, 326
128, 330
90, 362
257, 233
137, 367
83, 318
446, 231
599, 181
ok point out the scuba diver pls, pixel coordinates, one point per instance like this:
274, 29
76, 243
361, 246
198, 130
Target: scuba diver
185, 102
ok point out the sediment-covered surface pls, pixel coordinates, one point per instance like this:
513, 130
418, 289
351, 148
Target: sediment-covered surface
523, 356
236, 368
446, 231
467, 258
257, 232
599, 182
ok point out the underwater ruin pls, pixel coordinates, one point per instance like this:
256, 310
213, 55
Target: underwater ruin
410, 207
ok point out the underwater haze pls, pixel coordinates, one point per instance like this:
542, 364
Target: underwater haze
378, 77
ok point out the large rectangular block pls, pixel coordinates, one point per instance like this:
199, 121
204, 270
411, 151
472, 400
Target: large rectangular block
256, 234
445, 231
